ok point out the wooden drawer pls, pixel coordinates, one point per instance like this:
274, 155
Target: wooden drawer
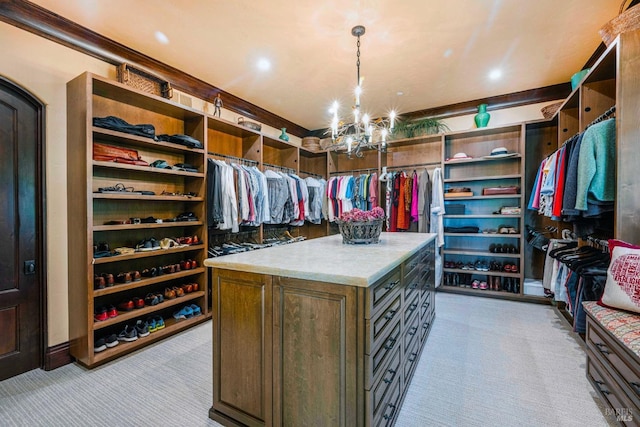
412, 287
382, 388
615, 357
410, 266
411, 308
381, 292
425, 307
425, 326
410, 360
374, 363
377, 329
411, 332
610, 393
390, 405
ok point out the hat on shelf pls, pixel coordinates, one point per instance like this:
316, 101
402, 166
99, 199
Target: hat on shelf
460, 156
500, 152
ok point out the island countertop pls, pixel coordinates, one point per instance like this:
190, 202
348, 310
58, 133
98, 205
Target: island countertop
327, 259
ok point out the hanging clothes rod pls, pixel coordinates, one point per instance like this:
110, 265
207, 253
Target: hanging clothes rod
278, 167
610, 112
417, 165
315, 175
604, 116
351, 171
598, 242
238, 159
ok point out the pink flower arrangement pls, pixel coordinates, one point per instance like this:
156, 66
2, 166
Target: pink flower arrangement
357, 215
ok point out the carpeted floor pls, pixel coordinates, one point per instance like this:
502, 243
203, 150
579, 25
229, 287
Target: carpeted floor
486, 363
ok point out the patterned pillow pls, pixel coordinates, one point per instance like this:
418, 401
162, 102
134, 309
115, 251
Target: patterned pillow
622, 289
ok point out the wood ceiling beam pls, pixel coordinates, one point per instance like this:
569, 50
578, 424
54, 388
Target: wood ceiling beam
42, 22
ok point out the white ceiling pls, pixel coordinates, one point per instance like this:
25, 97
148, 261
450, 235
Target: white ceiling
435, 52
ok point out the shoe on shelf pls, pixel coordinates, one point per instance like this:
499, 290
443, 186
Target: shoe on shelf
159, 322
109, 279
126, 305
128, 334
142, 328
99, 282
101, 314
138, 302
99, 345
475, 284
196, 309
111, 340
483, 285
169, 293
185, 313
112, 311
179, 291
151, 299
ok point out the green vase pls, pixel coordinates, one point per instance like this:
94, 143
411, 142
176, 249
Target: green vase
482, 118
283, 136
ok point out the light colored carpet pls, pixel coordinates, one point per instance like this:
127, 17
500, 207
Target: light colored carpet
486, 363
500, 363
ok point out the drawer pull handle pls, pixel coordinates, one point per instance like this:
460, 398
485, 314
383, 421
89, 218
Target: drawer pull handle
413, 331
425, 325
425, 305
600, 389
636, 387
390, 314
412, 358
413, 306
390, 414
413, 286
392, 285
603, 348
393, 375
390, 343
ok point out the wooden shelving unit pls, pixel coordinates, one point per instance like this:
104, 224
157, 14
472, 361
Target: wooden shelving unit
89, 213
476, 173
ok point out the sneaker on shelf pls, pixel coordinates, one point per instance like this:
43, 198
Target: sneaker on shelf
483, 285
151, 324
111, 341
142, 328
184, 313
128, 334
99, 345
196, 309
159, 322
112, 312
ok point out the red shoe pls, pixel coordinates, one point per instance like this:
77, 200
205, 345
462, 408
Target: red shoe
194, 287
112, 312
101, 314
138, 302
126, 305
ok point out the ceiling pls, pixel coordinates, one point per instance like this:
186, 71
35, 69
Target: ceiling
433, 53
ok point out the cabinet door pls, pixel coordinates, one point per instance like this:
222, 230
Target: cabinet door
315, 352
242, 340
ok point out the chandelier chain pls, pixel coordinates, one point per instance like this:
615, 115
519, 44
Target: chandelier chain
358, 61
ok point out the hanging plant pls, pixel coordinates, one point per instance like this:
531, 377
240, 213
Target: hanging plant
419, 127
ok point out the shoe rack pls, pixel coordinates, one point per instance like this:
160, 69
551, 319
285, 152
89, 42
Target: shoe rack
107, 221
488, 261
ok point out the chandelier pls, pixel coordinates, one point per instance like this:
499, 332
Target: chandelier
363, 132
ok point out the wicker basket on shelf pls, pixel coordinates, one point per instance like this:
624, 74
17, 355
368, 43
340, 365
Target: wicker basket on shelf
143, 81
628, 20
360, 232
550, 110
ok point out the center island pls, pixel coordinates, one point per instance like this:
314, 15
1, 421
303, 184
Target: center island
318, 332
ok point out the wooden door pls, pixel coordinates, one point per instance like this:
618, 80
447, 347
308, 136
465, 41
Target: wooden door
242, 347
21, 329
315, 354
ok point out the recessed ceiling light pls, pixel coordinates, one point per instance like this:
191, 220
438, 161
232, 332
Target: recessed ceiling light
495, 74
263, 64
448, 52
400, 93
161, 37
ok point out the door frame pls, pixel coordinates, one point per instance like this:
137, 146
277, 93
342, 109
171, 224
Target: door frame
9, 85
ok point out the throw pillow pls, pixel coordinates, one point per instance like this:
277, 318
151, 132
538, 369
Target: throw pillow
622, 289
